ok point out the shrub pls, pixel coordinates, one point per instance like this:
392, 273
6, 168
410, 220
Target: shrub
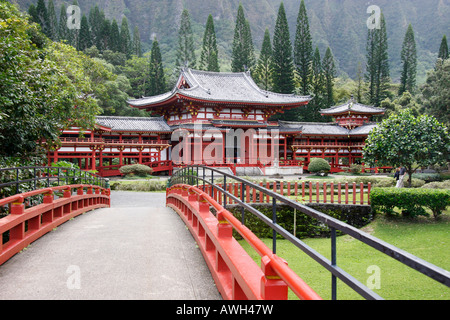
411, 202
136, 169
356, 168
319, 165
437, 185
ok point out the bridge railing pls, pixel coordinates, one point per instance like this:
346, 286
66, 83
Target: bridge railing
196, 176
26, 221
24, 179
35, 200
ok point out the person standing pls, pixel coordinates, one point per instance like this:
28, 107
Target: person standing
401, 177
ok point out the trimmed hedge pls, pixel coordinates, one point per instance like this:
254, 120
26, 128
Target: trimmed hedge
136, 169
307, 227
411, 202
319, 165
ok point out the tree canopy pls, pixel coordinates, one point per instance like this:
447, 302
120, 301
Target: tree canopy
404, 140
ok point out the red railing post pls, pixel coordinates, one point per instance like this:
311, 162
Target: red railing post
272, 286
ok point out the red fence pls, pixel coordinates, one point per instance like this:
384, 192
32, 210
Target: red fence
305, 192
28, 221
236, 275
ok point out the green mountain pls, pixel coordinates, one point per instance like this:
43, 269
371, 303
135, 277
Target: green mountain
340, 24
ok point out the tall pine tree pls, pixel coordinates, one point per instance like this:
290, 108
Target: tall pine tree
329, 72
186, 51
243, 56
264, 68
125, 38
157, 79
283, 68
377, 71
319, 90
84, 39
303, 50
209, 59
409, 63
52, 22
136, 45
95, 22
443, 49
42, 17
114, 42
63, 31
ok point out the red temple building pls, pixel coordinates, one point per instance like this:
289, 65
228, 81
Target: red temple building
220, 120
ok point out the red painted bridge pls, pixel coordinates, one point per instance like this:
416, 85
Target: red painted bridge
173, 246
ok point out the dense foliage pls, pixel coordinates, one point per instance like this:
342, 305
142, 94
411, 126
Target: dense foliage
410, 202
404, 140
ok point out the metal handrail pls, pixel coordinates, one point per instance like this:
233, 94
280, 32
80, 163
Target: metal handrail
438, 274
51, 175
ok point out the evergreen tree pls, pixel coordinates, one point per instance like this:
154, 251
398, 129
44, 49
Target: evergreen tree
157, 78
303, 50
63, 31
409, 63
95, 22
186, 51
33, 13
377, 71
42, 17
243, 57
319, 90
283, 69
136, 45
443, 49
105, 42
264, 68
360, 83
125, 38
84, 39
209, 60
114, 43
329, 71
52, 22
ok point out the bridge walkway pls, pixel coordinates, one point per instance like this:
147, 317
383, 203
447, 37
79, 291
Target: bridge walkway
136, 250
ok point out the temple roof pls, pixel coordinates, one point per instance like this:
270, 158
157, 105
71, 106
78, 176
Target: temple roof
134, 124
352, 106
327, 129
220, 87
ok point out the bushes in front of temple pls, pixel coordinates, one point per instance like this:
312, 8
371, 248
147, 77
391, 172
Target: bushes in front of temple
139, 170
319, 166
409, 202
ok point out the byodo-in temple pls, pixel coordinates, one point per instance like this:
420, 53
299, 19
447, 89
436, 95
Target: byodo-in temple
220, 120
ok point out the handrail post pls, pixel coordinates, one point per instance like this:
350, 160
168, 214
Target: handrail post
274, 221
333, 263
272, 286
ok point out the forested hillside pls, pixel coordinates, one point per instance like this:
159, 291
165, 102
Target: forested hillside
340, 24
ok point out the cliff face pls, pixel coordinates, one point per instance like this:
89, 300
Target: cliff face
340, 24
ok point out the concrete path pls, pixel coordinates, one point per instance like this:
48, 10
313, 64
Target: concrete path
138, 249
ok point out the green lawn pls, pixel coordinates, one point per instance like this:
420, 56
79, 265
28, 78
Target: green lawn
423, 238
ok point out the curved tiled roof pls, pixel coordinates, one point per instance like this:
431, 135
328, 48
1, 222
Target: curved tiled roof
352, 106
320, 128
134, 124
222, 87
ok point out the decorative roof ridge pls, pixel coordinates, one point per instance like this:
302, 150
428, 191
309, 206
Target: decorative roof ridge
172, 92
351, 103
129, 118
309, 123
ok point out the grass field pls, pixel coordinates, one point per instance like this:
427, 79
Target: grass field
424, 238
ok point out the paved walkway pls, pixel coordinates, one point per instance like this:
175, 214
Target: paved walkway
138, 249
